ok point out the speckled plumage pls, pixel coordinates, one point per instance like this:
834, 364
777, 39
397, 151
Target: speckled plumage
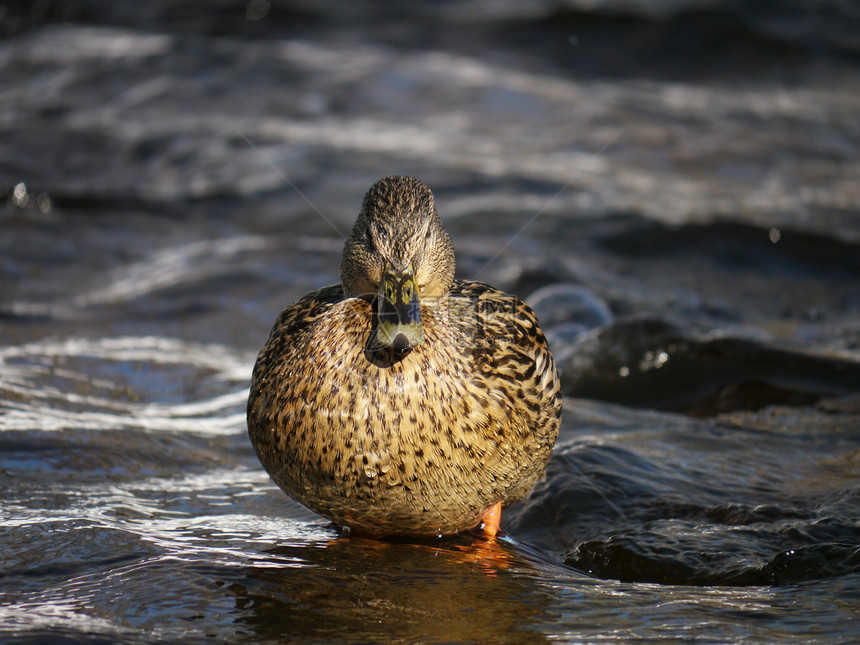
421, 443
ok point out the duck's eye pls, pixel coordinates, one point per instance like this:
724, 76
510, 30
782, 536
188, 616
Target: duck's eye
389, 291
407, 292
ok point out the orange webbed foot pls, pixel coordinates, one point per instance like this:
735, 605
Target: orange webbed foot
490, 520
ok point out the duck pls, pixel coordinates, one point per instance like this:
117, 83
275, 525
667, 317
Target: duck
403, 401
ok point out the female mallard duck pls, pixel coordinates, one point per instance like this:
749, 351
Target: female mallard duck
402, 401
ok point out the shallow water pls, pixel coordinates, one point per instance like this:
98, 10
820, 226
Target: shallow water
675, 191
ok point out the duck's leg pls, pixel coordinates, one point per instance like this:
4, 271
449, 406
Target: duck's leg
490, 520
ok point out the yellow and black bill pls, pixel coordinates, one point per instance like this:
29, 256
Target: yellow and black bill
398, 312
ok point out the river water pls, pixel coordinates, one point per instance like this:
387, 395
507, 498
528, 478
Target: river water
673, 185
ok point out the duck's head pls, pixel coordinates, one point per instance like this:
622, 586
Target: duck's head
399, 256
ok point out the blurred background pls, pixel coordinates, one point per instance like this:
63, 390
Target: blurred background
673, 185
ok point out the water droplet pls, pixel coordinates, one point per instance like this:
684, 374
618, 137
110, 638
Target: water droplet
19, 195
44, 203
257, 9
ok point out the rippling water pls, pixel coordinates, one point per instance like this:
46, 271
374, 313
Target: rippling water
675, 188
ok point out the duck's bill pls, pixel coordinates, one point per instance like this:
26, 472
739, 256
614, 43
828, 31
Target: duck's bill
399, 325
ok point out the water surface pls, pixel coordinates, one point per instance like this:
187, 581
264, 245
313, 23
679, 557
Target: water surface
675, 188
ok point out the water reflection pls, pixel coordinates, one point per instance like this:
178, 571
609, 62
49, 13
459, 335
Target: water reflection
460, 589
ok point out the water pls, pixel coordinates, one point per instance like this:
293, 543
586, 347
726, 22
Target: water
674, 185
